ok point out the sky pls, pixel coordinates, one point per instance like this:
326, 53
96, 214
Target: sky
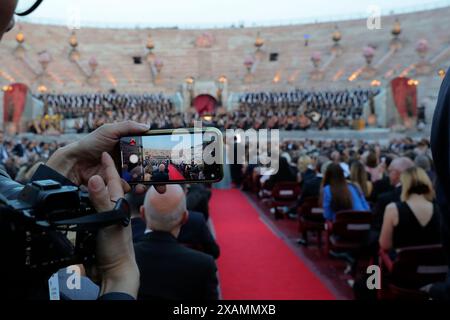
169, 142
212, 13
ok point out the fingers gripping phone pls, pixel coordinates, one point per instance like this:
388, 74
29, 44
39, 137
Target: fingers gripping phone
181, 156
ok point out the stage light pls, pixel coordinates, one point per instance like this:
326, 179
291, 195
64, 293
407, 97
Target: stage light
397, 29
223, 79
7, 88
42, 89
259, 43
20, 37
337, 36
150, 44
413, 82
442, 73
190, 80
207, 118
73, 41
375, 83
277, 78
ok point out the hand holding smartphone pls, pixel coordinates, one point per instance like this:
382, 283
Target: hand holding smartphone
172, 157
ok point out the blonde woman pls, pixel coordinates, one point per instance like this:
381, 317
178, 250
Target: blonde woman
358, 176
305, 169
414, 221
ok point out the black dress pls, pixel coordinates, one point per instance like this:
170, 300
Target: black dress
410, 233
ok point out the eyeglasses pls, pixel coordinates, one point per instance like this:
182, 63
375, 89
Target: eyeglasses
25, 7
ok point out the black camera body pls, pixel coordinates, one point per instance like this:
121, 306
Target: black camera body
45, 214
47, 201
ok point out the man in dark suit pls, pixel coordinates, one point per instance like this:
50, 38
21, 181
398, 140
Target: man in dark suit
311, 187
138, 226
169, 270
397, 167
440, 144
197, 199
379, 187
196, 234
161, 175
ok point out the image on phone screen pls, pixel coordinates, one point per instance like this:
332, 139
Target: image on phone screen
168, 158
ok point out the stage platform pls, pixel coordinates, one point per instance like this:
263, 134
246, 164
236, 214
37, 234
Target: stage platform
382, 136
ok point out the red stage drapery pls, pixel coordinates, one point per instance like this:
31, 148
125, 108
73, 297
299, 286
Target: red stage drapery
14, 101
405, 97
205, 104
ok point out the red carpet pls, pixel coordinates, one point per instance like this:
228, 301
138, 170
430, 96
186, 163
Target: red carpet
175, 174
255, 264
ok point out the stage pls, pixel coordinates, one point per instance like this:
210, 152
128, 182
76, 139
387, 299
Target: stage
380, 135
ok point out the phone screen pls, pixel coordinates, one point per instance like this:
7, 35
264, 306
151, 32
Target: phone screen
169, 157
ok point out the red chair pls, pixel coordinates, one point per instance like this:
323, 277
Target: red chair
284, 194
348, 237
310, 219
412, 269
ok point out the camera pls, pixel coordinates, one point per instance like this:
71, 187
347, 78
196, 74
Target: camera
43, 216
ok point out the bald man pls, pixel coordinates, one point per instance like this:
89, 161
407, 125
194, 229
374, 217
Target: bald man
397, 167
161, 175
169, 270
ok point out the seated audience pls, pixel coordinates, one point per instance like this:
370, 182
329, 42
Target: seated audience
358, 176
423, 161
397, 167
305, 169
414, 221
311, 187
161, 175
285, 174
373, 167
169, 270
338, 195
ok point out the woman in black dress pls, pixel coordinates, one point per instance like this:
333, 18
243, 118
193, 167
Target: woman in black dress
414, 221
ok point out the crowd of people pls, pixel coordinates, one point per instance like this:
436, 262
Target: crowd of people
20, 156
295, 110
86, 112
154, 170
168, 252
394, 182
177, 218
301, 110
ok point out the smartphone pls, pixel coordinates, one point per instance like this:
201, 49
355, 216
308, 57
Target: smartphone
181, 156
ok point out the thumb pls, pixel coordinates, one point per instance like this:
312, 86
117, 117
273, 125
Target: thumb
99, 195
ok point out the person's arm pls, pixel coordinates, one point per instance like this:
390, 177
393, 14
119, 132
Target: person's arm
115, 260
9, 188
81, 160
387, 230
